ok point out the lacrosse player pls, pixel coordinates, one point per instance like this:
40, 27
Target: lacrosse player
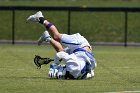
77, 56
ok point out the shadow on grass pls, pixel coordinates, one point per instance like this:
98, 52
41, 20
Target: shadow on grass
41, 78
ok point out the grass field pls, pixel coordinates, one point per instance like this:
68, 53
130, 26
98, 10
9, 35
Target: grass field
118, 70
88, 3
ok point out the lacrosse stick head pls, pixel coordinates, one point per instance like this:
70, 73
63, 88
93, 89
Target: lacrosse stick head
40, 61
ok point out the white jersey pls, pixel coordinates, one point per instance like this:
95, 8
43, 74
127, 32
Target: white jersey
75, 57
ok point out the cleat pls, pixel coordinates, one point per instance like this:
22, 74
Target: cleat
45, 37
35, 17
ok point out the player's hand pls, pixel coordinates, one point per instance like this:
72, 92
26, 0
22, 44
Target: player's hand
53, 71
59, 74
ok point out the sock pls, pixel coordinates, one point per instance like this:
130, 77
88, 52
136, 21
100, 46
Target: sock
41, 20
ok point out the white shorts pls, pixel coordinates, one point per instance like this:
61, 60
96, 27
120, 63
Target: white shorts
74, 41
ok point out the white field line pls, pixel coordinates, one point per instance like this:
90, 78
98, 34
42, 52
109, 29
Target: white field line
125, 92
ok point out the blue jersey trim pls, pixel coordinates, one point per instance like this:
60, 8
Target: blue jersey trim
86, 68
70, 43
81, 49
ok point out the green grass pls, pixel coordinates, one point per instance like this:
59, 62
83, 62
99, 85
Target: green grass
118, 70
81, 3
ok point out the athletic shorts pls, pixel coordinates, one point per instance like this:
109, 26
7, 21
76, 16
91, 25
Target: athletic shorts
74, 41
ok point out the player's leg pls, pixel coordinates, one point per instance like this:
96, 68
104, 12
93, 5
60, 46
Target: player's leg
52, 29
57, 46
46, 37
38, 17
72, 41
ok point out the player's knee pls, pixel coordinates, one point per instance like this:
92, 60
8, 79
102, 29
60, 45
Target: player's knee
57, 37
